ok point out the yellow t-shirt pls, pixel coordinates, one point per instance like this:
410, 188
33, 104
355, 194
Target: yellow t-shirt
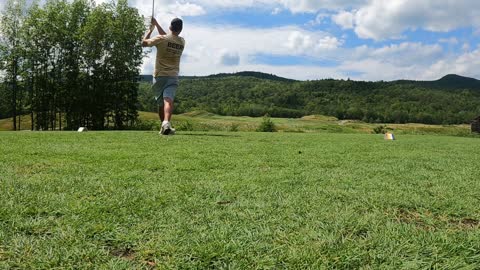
169, 52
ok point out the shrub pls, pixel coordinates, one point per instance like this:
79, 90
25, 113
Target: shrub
185, 126
382, 129
234, 128
267, 125
146, 125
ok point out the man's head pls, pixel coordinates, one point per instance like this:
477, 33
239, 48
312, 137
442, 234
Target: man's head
176, 26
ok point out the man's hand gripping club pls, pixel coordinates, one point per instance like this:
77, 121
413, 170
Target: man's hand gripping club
153, 24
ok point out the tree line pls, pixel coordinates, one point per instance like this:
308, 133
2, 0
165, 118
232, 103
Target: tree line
70, 63
374, 102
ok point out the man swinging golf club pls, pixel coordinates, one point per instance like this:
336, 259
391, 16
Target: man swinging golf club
167, 65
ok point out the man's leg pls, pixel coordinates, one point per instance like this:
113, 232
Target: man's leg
168, 96
167, 114
167, 109
161, 113
157, 89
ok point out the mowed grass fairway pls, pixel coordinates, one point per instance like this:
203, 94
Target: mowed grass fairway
133, 200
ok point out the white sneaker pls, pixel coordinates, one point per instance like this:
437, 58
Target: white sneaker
166, 129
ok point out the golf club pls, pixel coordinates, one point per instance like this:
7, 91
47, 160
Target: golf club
148, 21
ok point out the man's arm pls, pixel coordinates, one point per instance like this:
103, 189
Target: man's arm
145, 42
159, 28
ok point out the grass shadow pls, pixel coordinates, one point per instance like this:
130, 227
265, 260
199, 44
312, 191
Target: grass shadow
207, 135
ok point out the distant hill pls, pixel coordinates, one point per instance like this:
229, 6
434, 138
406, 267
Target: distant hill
449, 82
254, 74
146, 78
258, 75
452, 99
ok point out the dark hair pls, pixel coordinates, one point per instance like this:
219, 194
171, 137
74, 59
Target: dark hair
176, 25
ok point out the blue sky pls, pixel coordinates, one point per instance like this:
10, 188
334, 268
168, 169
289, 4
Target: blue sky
362, 39
315, 39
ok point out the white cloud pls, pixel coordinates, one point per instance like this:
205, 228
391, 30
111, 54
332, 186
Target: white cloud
295, 6
288, 40
316, 5
406, 54
344, 19
374, 66
276, 11
301, 5
304, 43
298, 42
467, 64
405, 60
98, 2
319, 19
166, 10
228, 58
385, 19
233, 4
186, 9
450, 41
328, 43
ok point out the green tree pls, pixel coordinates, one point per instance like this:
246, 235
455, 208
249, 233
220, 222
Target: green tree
126, 57
267, 125
74, 77
82, 66
12, 51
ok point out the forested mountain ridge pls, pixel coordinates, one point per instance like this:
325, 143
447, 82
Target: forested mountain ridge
448, 82
258, 75
445, 101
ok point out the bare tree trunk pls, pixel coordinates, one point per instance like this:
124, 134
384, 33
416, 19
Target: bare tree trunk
32, 87
14, 94
31, 118
20, 111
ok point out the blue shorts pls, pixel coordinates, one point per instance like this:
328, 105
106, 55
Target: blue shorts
164, 87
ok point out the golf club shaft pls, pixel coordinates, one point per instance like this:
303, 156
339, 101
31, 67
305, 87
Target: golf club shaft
153, 8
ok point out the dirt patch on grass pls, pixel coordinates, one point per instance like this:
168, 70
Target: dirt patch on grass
465, 224
224, 202
124, 253
129, 254
426, 220
409, 216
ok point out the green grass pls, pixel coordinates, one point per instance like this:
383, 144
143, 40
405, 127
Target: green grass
133, 200
7, 124
204, 121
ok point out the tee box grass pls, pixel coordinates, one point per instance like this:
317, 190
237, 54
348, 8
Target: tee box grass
136, 200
